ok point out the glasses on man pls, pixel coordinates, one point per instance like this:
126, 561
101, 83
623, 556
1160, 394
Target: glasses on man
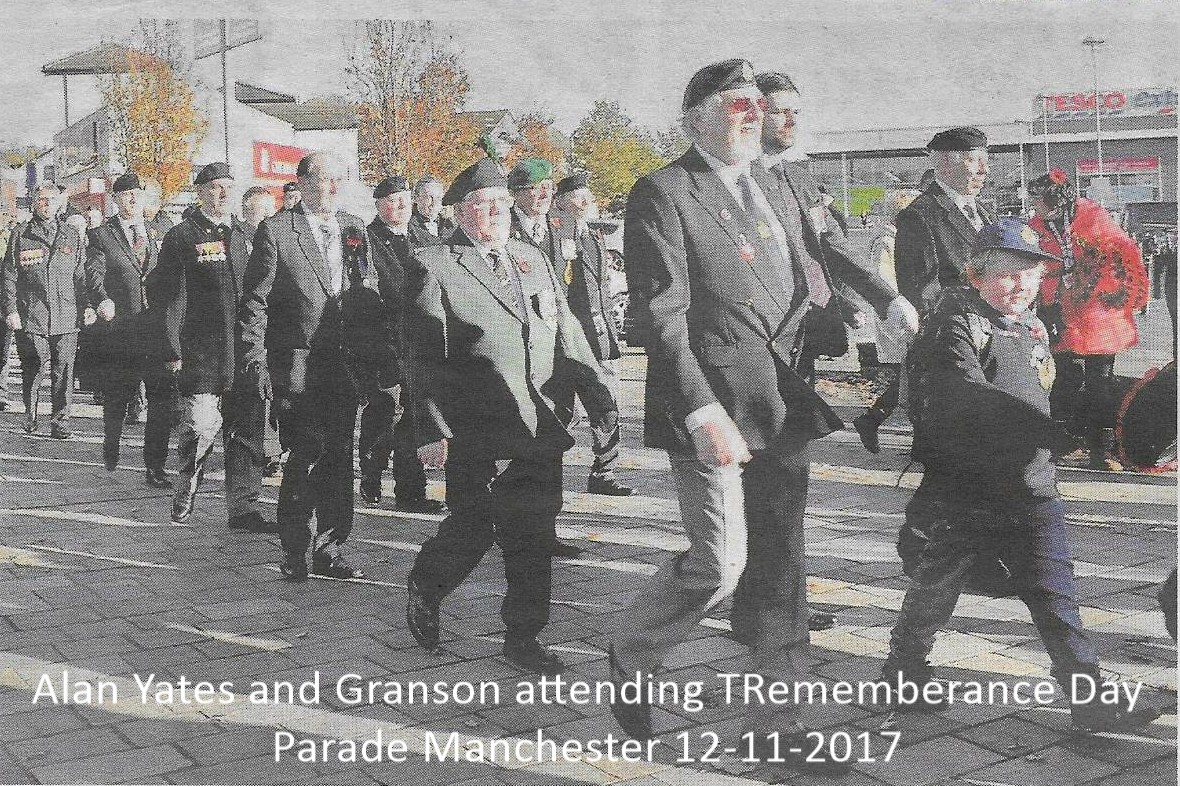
793, 111
500, 204
743, 105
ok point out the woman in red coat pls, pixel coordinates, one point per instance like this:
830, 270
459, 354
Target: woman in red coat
1090, 300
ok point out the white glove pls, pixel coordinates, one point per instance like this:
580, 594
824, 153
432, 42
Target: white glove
901, 316
13, 322
106, 310
718, 443
89, 317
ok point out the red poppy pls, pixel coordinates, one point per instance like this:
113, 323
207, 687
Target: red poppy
353, 242
1058, 176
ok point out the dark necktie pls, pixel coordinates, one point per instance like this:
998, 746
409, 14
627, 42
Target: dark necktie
496, 263
972, 215
818, 291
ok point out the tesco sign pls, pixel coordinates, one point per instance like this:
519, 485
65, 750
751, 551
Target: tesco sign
1115, 103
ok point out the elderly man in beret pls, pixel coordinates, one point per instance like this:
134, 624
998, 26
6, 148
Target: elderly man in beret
291, 196
387, 422
723, 287
314, 335
201, 265
584, 267
493, 338
935, 234
121, 255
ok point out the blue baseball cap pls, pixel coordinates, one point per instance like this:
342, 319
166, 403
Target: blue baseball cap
1012, 234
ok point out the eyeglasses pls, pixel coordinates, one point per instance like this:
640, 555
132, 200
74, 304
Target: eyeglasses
500, 204
794, 111
742, 105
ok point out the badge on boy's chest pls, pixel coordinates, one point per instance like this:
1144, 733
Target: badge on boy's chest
211, 252
1042, 361
30, 257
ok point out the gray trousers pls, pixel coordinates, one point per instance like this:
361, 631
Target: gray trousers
53, 355
745, 532
199, 421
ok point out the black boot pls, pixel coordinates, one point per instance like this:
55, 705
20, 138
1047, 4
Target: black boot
919, 675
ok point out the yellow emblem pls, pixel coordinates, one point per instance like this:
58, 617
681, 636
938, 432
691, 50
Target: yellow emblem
1047, 372
1028, 235
763, 230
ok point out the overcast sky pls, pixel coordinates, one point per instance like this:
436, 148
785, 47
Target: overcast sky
859, 63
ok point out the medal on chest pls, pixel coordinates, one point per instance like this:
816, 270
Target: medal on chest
1042, 361
745, 249
211, 252
764, 230
31, 257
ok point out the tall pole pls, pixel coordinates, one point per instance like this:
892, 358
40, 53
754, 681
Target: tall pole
65, 94
1094, 43
1045, 128
225, 87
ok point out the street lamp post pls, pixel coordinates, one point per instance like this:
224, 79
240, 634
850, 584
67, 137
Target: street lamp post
1094, 43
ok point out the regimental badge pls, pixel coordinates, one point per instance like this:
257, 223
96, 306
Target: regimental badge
31, 256
1042, 361
764, 230
211, 252
725, 214
569, 249
745, 249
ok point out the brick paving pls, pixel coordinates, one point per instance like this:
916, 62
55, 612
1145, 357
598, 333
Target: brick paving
95, 583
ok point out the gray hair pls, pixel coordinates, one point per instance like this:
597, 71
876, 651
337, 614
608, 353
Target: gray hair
426, 182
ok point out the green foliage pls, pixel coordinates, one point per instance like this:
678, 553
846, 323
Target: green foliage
614, 151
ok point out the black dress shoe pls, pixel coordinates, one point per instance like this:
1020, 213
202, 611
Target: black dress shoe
253, 522
182, 507
634, 719
59, 431
272, 469
334, 567
775, 749
867, 428
371, 490
422, 617
157, 479
564, 550
821, 620
532, 656
608, 486
294, 567
422, 505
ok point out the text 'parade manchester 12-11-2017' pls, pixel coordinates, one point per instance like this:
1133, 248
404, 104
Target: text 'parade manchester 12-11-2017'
456, 398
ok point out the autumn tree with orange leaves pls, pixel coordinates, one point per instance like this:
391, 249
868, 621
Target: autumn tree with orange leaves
154, 115
539, 140
410, 93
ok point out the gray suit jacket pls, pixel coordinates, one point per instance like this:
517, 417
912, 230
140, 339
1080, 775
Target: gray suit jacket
489, 369
718, 328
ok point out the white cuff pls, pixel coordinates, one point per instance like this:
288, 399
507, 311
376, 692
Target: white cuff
707, 413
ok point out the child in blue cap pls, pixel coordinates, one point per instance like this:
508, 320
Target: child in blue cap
988, 504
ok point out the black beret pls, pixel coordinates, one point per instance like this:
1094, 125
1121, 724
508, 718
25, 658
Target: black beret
962, 138
484, 173
528, 173
573, 183
773, 82
726, 75
127, 182
290, 188
210, 172
390, 185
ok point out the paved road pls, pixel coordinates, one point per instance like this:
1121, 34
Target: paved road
98, 593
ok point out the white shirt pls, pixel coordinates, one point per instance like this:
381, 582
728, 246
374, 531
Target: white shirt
529, 224
139, 227
399, 231
332, 250
962, 201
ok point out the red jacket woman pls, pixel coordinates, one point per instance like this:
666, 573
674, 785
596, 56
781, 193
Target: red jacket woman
1106, 283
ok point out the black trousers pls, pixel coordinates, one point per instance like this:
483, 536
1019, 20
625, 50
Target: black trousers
515, 509
316, 427
160, 386
52, 354
387, 431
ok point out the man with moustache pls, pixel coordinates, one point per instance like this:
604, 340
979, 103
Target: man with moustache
427, 227
493, 338
387, 421
42, 280
935, 234
723, 289
583, 265
202, 262
120, 257
314, 338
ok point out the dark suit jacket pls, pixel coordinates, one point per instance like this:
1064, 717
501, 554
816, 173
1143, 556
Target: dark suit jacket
588, 286
420, 236
291, 318
548, 246
489, 371
392, 256
43, 277
199, 279
113, 271
934, 241
718, 330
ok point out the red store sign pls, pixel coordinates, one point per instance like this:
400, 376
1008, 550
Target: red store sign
1120, 166
276, 162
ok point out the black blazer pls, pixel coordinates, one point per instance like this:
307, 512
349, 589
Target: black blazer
291, 318
718, 327
584, 260
420, 236
114, 271
933, 244
199, 283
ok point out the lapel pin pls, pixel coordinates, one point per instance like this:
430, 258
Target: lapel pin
725, 214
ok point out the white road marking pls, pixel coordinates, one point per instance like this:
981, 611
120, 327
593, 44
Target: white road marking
89, 518
120, 560
15, 479
269, 645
